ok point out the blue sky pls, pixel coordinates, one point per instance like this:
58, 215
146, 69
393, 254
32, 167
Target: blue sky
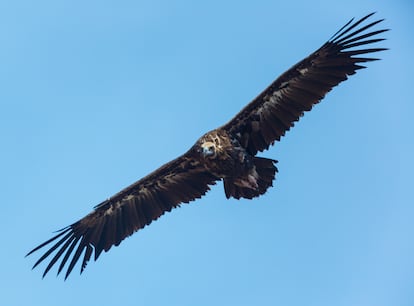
96, 94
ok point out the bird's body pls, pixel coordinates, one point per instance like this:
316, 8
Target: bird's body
243, 174
227, 153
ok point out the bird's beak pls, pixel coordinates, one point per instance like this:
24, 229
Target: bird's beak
207, 149
207, 152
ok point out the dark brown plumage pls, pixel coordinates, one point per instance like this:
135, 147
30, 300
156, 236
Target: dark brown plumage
227, 153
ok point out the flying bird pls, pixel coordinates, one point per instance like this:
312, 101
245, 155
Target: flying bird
226, 154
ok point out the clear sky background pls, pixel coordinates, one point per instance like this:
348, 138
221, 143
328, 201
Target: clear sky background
96, 94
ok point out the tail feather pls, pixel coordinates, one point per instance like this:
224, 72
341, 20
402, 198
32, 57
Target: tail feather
266, 171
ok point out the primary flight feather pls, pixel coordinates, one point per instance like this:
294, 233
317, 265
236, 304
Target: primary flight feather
227, 153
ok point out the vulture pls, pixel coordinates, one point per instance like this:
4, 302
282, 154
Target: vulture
226, 154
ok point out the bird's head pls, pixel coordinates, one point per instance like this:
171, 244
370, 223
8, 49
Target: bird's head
210, 145
208, 149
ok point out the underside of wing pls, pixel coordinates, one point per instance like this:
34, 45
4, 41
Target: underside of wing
179, 181
267, 118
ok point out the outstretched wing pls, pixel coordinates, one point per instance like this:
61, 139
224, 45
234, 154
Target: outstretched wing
179, 181
275, 110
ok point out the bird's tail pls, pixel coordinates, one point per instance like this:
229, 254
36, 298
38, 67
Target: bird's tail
253, 184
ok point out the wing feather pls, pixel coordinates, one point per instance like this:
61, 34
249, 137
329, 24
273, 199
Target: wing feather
297, 90
179, 181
